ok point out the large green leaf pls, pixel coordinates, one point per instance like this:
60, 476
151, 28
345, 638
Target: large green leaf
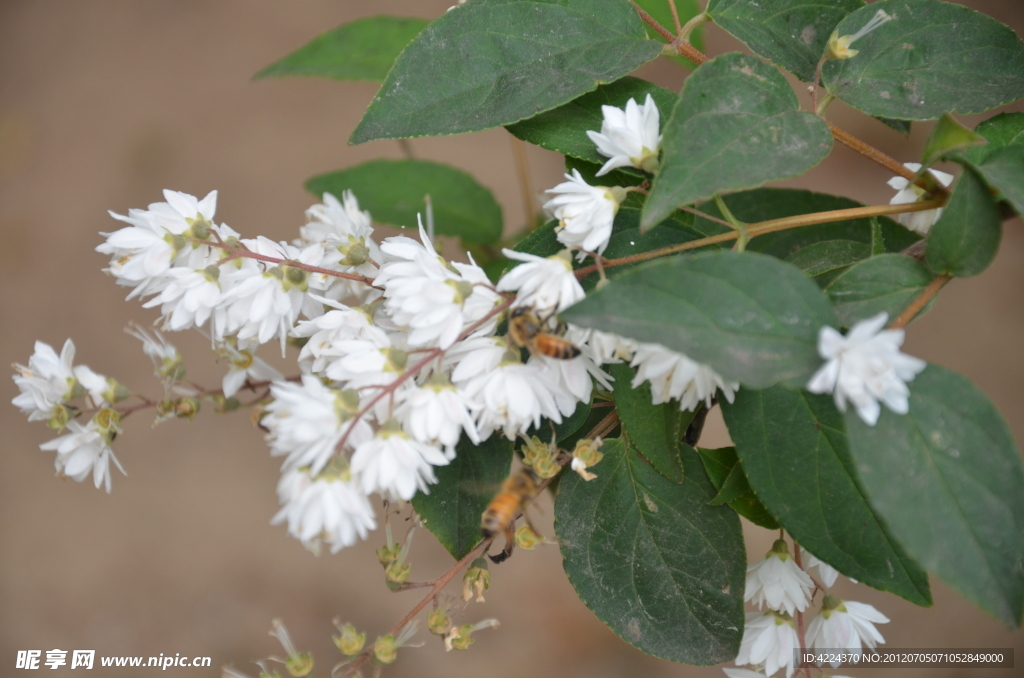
496, 62
763, 204
947, 137
564, 129
1001, 161
657, 564
737, 125
829, 256
656, 431
751, 317
464, 488
793, 448
931, 58
726, 474
947, 479
791, 33
965, 239
888, 282
393, 191
361, 50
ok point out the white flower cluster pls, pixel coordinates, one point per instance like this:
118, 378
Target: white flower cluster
585, 213
770, 638
48, 387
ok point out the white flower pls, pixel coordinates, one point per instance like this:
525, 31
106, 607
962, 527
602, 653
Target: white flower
864, 367
97, 389
742, 673
244, 365
395, 465
629, 137
921, 222
85, 450
604, 347
828, 573
436, 414
46, 382
502, 392
422, 292
188, 297
328, 332
262, 305
585, 213
545, 283
845, 625
329, 509
674, 375
156, 237
307, 421
778, 582
336, 220
769, 640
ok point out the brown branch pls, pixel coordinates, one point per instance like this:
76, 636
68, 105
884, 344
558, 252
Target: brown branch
762, 227
675, 15
249, 254
920, 302
653, 23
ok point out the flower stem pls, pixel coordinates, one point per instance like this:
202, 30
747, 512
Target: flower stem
525, 182
920, 302
686, 31
249, 254
653, 23
762, 227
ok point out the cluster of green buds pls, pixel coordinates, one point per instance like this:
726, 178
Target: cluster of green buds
298, 664
541, 457
393, 558
461, 637
476, 580
585, 455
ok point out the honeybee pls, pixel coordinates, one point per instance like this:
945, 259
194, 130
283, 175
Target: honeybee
499, 516
526, 328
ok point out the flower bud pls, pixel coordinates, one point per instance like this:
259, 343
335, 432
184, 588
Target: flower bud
350, 642
476, 580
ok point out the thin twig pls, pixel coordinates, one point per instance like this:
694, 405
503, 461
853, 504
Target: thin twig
704, 215
249, 254
675, 16
525, 181
653, 23
769, 226
920, 302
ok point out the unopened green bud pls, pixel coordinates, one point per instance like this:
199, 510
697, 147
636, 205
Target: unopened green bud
200, 228
476, 580
350, 642
388, 554
117, 392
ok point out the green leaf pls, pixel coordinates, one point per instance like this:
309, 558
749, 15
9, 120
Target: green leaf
828, 256
793, 448
931, 58
888, 282
763, 204
726, 474
947, 478
393, 191
464, 488
564, 129
542, 241
656, 431
901, 126
716, 308
947, 136
1005, 129
496, 62
361, 50
965, 239
790, 33
737, 125
656, 563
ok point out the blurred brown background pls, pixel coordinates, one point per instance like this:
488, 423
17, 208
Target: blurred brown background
105, 103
